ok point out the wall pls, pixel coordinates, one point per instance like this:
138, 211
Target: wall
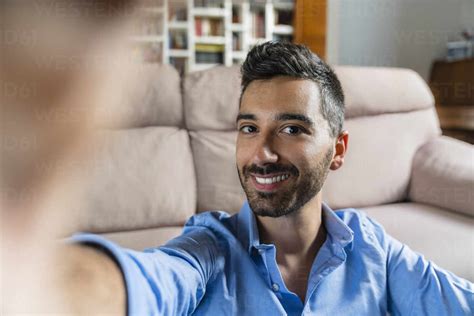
397, 33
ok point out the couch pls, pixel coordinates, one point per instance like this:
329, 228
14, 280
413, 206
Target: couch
173, 156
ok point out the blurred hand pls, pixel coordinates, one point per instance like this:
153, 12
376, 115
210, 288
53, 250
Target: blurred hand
61, 61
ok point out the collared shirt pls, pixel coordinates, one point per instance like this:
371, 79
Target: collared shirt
218, 266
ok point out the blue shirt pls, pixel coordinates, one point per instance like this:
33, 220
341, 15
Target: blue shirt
218, 266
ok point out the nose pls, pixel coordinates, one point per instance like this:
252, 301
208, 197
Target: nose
265, 153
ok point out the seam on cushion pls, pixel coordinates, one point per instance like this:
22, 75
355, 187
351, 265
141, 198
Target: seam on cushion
193, 153
213, 129
424, 108
125, 127
178, 225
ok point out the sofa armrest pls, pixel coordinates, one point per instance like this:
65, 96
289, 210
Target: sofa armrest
443, 175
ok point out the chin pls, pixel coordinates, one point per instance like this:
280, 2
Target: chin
261, 206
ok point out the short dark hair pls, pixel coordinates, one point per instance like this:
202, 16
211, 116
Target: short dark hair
271, 59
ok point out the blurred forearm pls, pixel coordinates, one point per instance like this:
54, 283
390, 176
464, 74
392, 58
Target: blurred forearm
67, 279
90, 282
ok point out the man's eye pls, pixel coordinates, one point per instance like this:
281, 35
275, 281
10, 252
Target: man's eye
292, 130
247, 129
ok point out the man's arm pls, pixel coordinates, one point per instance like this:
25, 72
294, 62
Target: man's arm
417, 286
169, 280
89, 282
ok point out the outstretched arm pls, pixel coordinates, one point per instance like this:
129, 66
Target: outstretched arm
169, 280
88, 282
417, 286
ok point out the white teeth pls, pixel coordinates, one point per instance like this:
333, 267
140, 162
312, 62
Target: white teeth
272, 180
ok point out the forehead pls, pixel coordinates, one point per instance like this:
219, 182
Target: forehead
282, 95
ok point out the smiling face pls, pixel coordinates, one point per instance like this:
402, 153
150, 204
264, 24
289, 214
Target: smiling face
284, 148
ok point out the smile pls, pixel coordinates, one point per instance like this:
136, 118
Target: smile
272, 179
269, 183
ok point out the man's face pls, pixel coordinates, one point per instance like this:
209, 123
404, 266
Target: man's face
284, 148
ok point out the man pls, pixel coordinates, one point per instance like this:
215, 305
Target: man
285, 252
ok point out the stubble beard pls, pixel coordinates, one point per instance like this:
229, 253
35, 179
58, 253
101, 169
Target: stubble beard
292, 199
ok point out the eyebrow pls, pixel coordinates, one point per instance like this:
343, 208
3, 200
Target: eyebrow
279, 117
245, 116
294, 117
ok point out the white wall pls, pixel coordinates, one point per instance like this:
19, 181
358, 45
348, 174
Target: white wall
398, 33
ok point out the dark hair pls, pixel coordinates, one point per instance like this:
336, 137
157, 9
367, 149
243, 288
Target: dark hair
271, 59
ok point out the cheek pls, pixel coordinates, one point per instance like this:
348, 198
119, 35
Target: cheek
241, 154
296, 150
321, 156
306, 157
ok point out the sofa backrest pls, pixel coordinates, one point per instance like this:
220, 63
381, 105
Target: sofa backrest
142, 173
174, 153
389, 114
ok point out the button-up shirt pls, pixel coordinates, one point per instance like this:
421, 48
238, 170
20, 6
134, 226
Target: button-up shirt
218, 266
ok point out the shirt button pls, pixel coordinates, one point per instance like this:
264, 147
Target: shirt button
275, 287
261, 251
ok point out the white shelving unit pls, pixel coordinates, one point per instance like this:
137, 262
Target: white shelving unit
242, 32
158, 15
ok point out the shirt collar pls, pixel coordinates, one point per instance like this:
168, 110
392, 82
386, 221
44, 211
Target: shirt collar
337, 230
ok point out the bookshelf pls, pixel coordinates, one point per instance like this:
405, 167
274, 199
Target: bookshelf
194, 35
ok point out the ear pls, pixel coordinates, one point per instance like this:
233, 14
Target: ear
340, 150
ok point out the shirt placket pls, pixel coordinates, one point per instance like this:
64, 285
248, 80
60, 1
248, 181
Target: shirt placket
333, 255
275, 279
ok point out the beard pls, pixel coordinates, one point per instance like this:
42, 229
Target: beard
292, 197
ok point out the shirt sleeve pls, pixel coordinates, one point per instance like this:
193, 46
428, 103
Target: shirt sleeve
168, 280
417, 286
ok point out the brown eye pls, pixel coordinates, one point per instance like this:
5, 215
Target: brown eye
248, 129
292, 130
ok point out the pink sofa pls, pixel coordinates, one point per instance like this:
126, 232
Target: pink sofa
174, 156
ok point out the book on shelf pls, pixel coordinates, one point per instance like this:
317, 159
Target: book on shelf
283, 17
209, 58
236, 41
208, 27
258, 24
236, 18
178, 40
209, 48
178, 14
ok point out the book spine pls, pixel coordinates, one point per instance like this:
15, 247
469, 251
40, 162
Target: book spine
198, 26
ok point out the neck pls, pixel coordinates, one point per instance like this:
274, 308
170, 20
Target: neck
297, 236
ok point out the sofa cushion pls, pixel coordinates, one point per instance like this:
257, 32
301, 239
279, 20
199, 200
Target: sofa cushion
443, 175
378, 163
151, 96
379, 90
211, 97
144, 238
139, 178
218, 184
442, 236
